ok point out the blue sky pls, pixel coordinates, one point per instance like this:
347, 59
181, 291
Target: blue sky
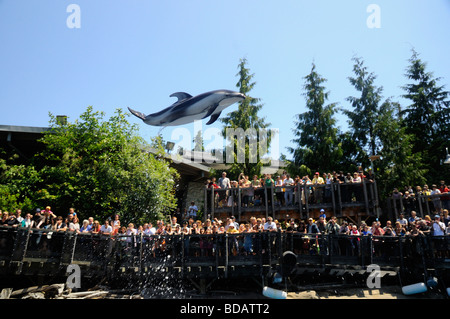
136, 53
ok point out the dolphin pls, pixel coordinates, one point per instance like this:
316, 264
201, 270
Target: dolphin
189, 108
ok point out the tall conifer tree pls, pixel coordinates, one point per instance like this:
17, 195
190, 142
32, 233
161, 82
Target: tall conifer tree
427, 118
364, 112
317, 145
246, 117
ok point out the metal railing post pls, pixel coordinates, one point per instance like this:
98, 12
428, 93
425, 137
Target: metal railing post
266, 201
226, 255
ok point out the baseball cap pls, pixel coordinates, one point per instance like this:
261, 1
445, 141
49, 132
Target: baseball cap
322, 210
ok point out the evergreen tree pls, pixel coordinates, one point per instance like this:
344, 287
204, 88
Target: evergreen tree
398, 165
364, 113
427, 118
198, 142
246, 118
317, 145
349, 146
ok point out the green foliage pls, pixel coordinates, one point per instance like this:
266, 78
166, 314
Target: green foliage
246, 118
398, 166
427, 118
364, 113
198, 142
349, 146
318, 147
100, 167
17, 186
375, 129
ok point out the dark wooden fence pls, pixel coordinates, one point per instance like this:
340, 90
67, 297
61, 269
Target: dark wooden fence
335, 198
421, 204
30, 251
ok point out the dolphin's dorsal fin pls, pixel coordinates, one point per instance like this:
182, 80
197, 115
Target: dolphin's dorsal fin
181, 95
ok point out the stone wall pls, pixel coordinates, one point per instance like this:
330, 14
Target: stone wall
195, 192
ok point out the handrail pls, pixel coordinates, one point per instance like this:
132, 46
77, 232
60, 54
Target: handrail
303, 198
216, 249
419, 203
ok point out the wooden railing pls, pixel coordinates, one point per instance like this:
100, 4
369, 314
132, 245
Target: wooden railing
421, 204
335, 198
217, 251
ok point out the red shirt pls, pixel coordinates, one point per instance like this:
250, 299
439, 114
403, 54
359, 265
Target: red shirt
378, 231
443, 189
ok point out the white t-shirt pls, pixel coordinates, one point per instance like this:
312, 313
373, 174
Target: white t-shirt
105, 229
129, 233
289, 182
132, 231
435, 192
403, 221
270, 226
74, 226
438, 229
224, 182
192, 211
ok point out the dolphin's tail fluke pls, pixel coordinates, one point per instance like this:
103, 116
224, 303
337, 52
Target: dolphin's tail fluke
138, 114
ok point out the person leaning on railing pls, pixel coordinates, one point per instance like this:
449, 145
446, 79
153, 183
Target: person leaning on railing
436, 199
60, 225
12, 221
224, 183
332, 226
445, 217
28, 221
438, 231
289, 191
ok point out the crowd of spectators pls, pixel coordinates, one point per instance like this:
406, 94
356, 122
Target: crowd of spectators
437, 198
436, 224
411, 225
288, 190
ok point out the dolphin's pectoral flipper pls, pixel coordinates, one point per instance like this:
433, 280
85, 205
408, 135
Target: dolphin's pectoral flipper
138, 114
211, 110
213, 118
181, 95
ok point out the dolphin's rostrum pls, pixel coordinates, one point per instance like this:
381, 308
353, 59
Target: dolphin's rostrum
189, 108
